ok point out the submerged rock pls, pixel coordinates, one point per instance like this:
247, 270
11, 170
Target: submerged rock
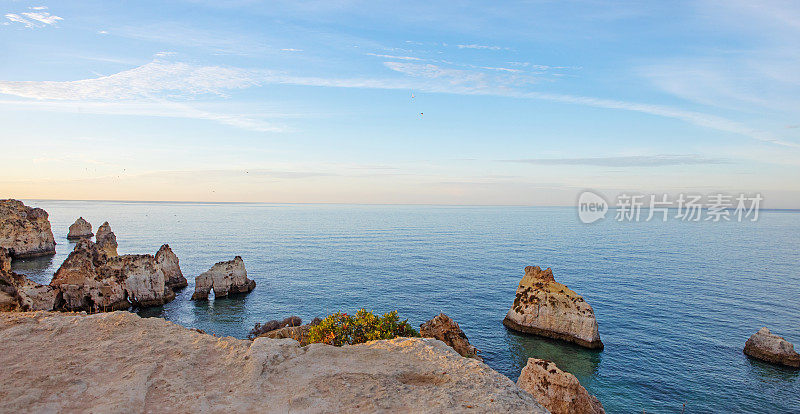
25, 231
558, 391
545, 307
447, 330
170, 265
225, 278
767, 347
106, 239
91, 280
80, 229
19, 293
111, 362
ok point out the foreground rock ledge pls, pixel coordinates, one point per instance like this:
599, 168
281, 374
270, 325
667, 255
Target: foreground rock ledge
118, 362
545, 307
771, 348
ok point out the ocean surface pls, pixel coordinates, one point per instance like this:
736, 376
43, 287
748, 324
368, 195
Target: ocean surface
675, 301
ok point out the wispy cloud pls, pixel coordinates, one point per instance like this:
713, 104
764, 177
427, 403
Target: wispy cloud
394, 57
35, 18
627, 161
481, 47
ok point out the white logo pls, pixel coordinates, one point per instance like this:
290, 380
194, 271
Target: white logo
591, 207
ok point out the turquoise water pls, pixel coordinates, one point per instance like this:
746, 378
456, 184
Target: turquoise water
675, 301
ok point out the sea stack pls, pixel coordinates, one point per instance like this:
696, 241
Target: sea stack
106, 239
447, 330
225, 278
547, 308
771, 348
558, 391
170, 265
25, 231
80, 229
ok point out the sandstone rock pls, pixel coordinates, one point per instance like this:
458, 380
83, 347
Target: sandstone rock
290, 327
20, 293
90, 280
545, 307
170, 265
106, 239
118, 362
447, 330
225, 278
767, 347
25, 231
558, 391
80, 229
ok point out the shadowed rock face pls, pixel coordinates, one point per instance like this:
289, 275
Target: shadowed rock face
158, 366
447, 330
225, 278
91, 280
170, 265
771, 348
545, 307
25, 231
18, 293
106, 239
80, 229
558, 391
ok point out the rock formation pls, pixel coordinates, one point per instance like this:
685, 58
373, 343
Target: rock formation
170, 265
225, 278
91, 280
80, 229
545, 307
290, 328
767, 347
25, 231
18, 293
152, 365
106, 239
556, 390
447, 330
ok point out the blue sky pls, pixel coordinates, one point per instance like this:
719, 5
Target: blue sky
285, 101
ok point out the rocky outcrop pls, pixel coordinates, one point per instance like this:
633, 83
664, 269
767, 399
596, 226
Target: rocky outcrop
91, 280
25, 231
106, 239
771, 348
170, 265
289, 328
154, 365
447, 330
556, 390
18, 293
225, 278
547, 308
81, 229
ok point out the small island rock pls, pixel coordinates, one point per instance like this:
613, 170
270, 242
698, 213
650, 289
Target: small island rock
25, 231
170, 265
558, 391
80, 229
106, 239
547, 308
447, 330
225, 278
771, 348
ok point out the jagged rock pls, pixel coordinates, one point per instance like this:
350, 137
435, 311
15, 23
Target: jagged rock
106, 239
170, 265
119, 362
291, 327
447, 330
225, 278
25, 231
19, 293
80, 229
558, 391
767, 347
90, 280
545, 307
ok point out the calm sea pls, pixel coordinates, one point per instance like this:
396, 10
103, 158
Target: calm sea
675, 301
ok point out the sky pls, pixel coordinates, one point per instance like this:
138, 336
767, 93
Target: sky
345, 101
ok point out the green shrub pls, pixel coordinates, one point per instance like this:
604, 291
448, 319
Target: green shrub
343, 329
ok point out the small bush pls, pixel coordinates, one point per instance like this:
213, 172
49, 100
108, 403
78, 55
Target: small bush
343, 329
